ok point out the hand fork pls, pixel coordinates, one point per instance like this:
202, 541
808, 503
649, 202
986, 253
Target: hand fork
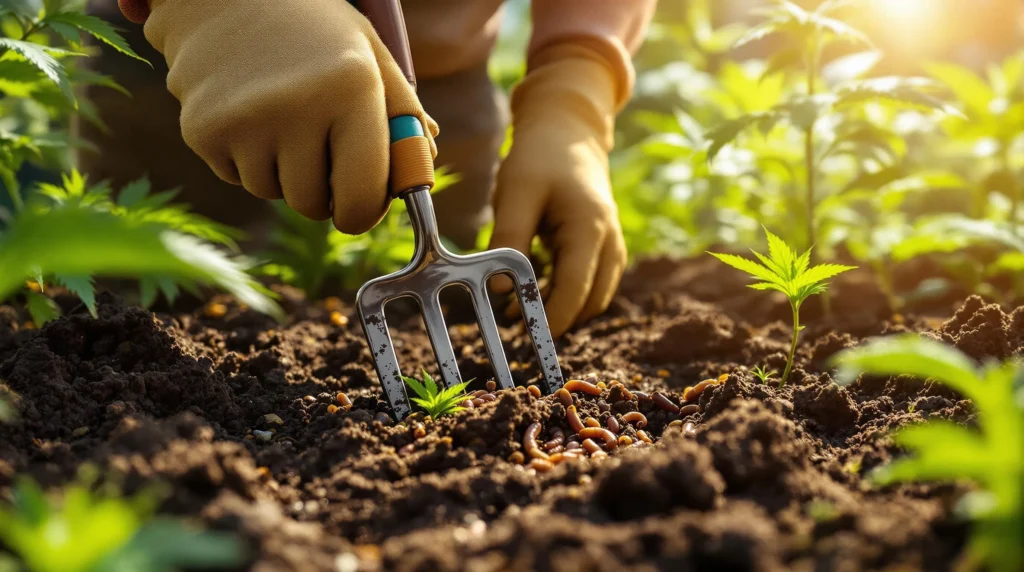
433, 267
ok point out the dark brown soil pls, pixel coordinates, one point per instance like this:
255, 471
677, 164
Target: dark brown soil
773, 479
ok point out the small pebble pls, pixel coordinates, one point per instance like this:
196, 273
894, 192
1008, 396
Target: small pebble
689, 409
215, 310
262, 435
517, 457
419, 431
343, 400
491, 386
382, 418
80, 432
534, 391
338, 319
332, 409
272, 419
663, 373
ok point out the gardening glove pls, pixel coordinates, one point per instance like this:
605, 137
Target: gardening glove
555, 180
289, 98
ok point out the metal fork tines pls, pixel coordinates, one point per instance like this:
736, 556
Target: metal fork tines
434, 268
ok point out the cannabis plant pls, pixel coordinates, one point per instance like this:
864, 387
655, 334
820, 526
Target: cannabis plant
72, 232
763, 374
785, 271
435, 401
85, 531
823, 112
991, 455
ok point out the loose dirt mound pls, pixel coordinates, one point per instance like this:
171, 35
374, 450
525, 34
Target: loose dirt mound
769, 480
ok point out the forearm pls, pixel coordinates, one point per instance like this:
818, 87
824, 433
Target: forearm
610, 30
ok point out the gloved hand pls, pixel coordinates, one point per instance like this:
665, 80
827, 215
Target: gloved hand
555, 181
289, 98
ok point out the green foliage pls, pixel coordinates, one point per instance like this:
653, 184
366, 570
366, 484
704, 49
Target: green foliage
435, 401
762, 374
85, 531
309, 253
75, 231
992, 456
785, 271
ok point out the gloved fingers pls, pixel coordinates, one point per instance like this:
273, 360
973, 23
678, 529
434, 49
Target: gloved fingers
302, 167
360, 160
518, 208
611, 266
401, 98
257, 171
577, 258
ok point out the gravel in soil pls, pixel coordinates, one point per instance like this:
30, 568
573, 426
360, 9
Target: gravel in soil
241, 418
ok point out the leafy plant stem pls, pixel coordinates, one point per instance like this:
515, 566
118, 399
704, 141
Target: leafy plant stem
792, 346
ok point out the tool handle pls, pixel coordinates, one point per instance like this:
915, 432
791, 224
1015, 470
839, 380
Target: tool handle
387, 18
412, 160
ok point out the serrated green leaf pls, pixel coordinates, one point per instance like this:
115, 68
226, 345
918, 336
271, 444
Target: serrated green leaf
418, 387
81, 286
41, 308
749, 266
134, 193
41, 59
97, 28
724, 133
819, 273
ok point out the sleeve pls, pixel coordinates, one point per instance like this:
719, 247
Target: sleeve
611, 29
135, 10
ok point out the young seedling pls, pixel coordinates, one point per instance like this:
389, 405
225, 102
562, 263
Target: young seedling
785, 271
763, 374
992, 456
435, 401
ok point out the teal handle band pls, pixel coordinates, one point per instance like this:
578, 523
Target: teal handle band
405, 127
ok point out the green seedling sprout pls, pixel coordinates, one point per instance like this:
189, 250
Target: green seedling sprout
785, 271
991, 456
763, 374
435, 401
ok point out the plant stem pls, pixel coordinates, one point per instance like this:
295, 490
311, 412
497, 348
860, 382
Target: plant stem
792, 347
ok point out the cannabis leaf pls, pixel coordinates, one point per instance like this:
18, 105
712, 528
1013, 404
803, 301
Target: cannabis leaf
68, 25
43, 59
433, 399
785, 271
993, 457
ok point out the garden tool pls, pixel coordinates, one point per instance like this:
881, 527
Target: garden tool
433, 267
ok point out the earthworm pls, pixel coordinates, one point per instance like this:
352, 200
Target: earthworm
491, 386
557, 438
676, 423
664, 402
591, 422
580, 385
610, 440
534, 391
625, 441
598, 455
591, 446
644, 437
639, 419
693, 393
488, 397
613, 424
572, 445
723, 378
559, 457
477, 393
574, 419
642, 396
540, 465
383, 418
564, 396
689, 409
530, 442
332, 408
419, 431
343, 400
555, 450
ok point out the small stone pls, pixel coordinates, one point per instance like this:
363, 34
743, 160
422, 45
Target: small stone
80, 432
339, 319
215, 310
262, 435
346, 562
272, 419
663, 373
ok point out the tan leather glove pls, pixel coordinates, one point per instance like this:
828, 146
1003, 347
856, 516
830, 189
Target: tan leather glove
555, 181
289, 98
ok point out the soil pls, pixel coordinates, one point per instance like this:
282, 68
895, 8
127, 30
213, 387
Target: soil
770, 479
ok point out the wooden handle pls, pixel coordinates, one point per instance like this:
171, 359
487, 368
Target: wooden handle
386, 17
